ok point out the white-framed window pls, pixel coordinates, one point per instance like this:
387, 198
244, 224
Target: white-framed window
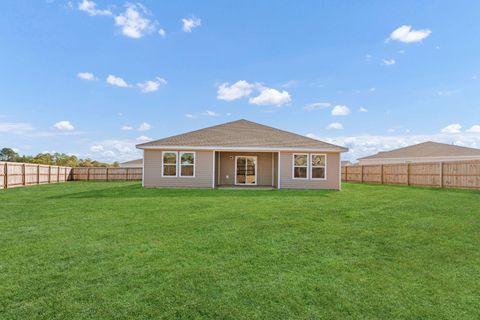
318, 169
300, 166
169, 163
187, 164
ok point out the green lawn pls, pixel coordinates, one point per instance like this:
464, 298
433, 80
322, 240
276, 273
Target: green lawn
115, 250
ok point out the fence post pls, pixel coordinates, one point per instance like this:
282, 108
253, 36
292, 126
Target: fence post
38, 174
441, 174
5, 177
381, 174
49, 174
361, 172
346, 173
65, 174
408, 174
58, 174
88, 174
24, 177
126, 174
107, 174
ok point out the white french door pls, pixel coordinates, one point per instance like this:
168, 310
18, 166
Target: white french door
245, 170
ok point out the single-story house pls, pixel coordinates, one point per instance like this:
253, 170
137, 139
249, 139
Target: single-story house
423, 152
241, 153
137, 163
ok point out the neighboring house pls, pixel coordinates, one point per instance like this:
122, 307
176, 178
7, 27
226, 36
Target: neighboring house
138, 163
423, 152
241, 153
346, 163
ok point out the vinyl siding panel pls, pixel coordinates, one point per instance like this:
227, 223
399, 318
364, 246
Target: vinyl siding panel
333, 173
153, 171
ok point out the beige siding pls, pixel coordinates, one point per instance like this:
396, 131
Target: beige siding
153, 171
333, 173
226, 168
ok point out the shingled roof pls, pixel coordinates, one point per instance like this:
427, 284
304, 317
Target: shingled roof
426, 150
242, 134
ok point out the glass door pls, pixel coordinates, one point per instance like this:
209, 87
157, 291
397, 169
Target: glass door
245, 170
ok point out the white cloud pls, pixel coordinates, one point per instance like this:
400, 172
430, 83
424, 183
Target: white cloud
446, 93
373, 89
133, 22
96, 148
271, 97
117, 81
340, 110
15, 127
190, 116
162, 33
90, 7
151, 85
64, 125
362, 109
86, 76
143, 139
210, 113
115, 150
190, 23
317, 106
335, 125
474, 129
144, 126
389, 62
127, 128
408, 35
235, 91
452, 128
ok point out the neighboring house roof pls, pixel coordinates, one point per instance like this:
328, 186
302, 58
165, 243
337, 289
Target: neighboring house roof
242, 134
346, 163
426, 150
131, 163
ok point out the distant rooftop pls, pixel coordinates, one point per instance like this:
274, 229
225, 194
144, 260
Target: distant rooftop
425, 150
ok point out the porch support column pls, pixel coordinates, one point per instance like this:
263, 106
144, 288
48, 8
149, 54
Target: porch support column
278, 171
213, 169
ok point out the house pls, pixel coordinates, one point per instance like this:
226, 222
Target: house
241, 153
137, 163
423, 152
346, 163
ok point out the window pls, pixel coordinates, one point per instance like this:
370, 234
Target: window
318, 163
300, 166
187, 164
169, 164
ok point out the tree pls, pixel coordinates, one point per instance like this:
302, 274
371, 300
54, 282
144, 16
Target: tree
8, 154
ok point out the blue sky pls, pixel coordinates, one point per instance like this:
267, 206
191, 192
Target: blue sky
94, 78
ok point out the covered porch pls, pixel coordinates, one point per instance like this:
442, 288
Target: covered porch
244, 170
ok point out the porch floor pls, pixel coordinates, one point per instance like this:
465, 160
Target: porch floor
245, 187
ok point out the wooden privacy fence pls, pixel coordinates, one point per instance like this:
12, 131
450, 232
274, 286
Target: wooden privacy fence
107, 174
14, 174
458, 174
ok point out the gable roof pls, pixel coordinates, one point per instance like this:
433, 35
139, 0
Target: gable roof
242, 134
132, 162
426, 150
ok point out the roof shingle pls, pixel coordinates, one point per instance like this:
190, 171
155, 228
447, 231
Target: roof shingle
426, 149
242, 134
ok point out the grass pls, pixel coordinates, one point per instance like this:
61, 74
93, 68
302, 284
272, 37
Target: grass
115, 250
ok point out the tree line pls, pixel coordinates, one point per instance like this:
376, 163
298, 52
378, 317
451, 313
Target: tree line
55, 159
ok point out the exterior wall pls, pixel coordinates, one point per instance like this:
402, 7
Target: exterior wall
153, 171
415, 160
226, 169
333, 173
